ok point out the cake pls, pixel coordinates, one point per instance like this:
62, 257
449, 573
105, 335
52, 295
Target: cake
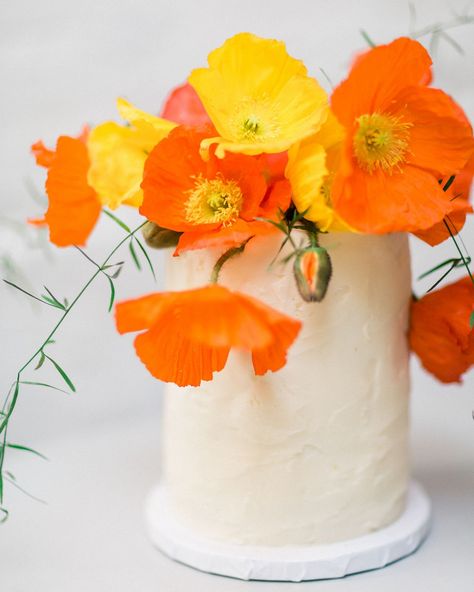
317, 452
284, 330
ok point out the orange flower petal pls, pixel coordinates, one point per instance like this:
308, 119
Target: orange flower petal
175, 167
183, 106
224, 237
277, 200
408, 200
440, 334
378, 76
43, 156
189, 334
73, 205
459, 197
441, 137
169, 175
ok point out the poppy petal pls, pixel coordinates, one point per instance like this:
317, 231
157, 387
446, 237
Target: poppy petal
73, 205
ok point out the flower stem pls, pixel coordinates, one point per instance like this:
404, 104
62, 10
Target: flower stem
225, 257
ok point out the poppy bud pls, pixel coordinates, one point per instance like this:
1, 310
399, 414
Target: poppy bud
312, 269
159, 238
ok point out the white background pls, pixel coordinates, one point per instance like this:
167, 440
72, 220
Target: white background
63, 63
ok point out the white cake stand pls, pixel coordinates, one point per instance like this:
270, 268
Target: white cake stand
292, 563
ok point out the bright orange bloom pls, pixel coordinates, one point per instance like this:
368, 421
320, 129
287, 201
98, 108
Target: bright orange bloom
73, 207
213, 201
458, 194
401, 138
440, 334
183, 106
188, 335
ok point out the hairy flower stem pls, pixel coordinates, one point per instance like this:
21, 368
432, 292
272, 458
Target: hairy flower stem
225, 257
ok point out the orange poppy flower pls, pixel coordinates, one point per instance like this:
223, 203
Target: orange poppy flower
188, 335
458, 194
401, 138
440, 333
73, 207
213, 201
184, 106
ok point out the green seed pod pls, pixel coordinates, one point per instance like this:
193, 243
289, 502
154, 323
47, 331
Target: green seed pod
312, 269
159, 238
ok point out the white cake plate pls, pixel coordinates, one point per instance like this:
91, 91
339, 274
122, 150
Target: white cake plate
292, 563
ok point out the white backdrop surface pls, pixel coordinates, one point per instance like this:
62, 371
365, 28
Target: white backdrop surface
64, 63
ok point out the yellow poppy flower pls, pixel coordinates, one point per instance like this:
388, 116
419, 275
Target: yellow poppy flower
258, 97
117, 154
310, 170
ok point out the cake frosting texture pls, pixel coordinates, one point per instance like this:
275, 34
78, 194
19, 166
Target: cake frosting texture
316, 452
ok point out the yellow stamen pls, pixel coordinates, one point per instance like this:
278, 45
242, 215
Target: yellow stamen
214, 201
255, 120
381, 142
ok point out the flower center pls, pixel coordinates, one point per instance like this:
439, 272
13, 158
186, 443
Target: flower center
214, 201
381, 142
255, 120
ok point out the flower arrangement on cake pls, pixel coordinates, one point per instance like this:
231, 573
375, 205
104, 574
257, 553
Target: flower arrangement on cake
286, 325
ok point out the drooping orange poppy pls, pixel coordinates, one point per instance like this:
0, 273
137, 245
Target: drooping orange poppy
73, 207
213, 201
401, 138
186, 336
183, 106
440, 332
458, 195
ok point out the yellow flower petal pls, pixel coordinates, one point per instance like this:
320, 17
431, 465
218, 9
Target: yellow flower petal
155, 126
117, 158
118, 153
258, 97
311, 165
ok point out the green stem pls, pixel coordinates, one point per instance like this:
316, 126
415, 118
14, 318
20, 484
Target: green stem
463, 259
51, 334
225, 257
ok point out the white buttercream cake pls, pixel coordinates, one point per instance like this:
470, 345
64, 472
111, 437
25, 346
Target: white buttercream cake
316, 452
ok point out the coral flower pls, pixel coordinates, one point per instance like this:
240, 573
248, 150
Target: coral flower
440, 332
101, 167
188, 335
311, 167
258, 97
213, 202
402, 137
183, 106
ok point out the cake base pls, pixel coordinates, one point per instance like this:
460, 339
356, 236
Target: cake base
292, 563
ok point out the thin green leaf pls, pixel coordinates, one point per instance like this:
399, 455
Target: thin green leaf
454, 261
44, 384
4, 513
54, 297
112, 293
449, 182
117, 220
29, 294
40, 361
2, 458
471, 320
452, 42
63, 374
278, 225
134, 255
26, 449
11, 479
148, 260
366, 38
50, 301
